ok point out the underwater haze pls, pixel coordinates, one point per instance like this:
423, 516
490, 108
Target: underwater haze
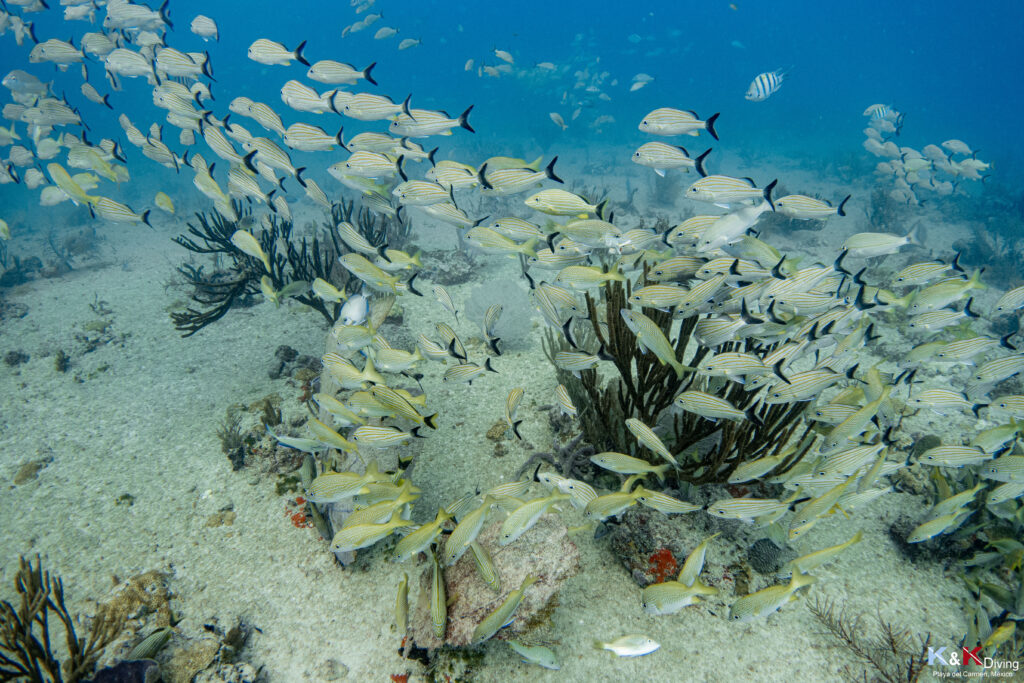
394, 341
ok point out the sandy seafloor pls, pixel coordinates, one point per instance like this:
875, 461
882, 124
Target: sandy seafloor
146, 427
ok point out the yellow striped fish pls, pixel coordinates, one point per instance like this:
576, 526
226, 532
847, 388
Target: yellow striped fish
465, 532
577, 361
870, 244
108, 209
700, 294
301, 97
565, 404
347, 375
581, 277
466, 372
368, 107
561, 203
271, 155
662, 157
923, 273
953, 456
268, 52
657, 296
330, 437
513, 180
515, 396
382, 437
451, 174
675, 268
449, 213
420, 123
646, 436
611, 504
331, 72
451, 340
369, 165
438, 601
997, 370
664, 503
420, 539
649, 336
722, 189
485, 566
266, 117
307, 138
746, 509
545, 258
525, 516
712, 407
1009, 302
668, 121
399, 405
342, 414
733, 365
504, 614
627, 464
806, 208
421, 193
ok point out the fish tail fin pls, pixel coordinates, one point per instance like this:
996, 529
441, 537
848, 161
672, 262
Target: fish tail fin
370, 373
464, 119
366, 73
487, 366
709, 125
405, 107
515, 429
975, 281
164, 15
527, 248
599, 209
145, 218
841, 210
955, 264
768, 192
699, 163
912, 236
482, 177
298, 54
431, 421
800, 579
549, 171
967, 309
411, 288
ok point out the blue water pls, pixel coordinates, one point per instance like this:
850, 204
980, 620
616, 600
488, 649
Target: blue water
944, 66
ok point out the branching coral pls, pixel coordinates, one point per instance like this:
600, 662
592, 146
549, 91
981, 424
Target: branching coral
891, 654
291, 259
645, 389
26, 644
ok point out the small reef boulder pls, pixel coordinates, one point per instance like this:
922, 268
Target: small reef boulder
544, 551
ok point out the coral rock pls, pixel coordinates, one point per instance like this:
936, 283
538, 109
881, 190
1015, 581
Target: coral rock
544, 551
